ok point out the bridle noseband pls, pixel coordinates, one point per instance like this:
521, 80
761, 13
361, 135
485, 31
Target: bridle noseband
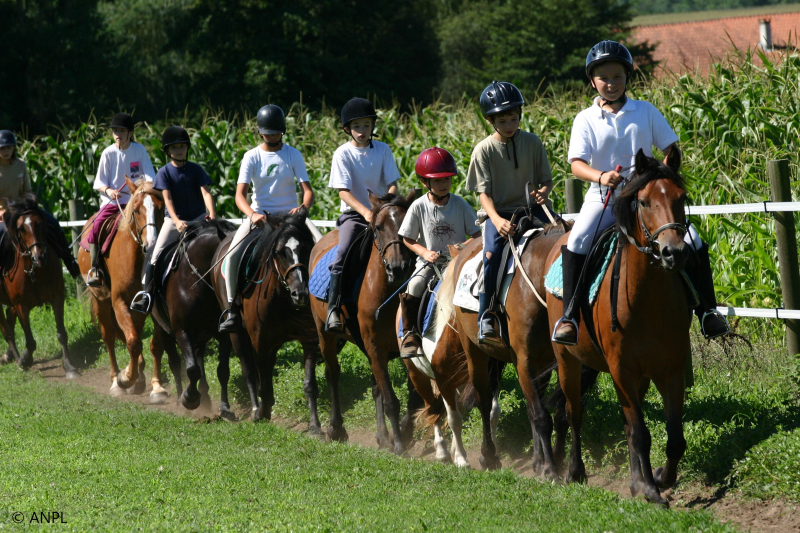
285, 274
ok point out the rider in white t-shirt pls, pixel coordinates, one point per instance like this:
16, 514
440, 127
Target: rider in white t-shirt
271, 168
606, 135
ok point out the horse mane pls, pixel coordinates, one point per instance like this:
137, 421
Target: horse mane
655, 170
265, 245
445, 309
16, 208
142, 186
218, 226
391, 199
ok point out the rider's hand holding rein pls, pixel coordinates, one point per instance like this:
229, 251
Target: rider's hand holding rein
112, 193
542, 194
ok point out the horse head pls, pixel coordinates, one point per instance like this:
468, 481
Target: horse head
289, 247
650, 210
388, 212
135, 218
26, 227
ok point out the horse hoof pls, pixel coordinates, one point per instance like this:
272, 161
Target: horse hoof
72, 374
188, 402
116, 390
462, 463
490, 463
658, 477
337, 435
138, 388
158, 398
314, 431
656, 499
399, 449
228, 415
123, 383
6, 358
444, 458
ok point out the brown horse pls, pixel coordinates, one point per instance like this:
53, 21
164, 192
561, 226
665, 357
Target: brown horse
275, 308
110, 304
182, 313
31, 277
651, 340
529, 349
388, 266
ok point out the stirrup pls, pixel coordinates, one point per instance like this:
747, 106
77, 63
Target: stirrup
482, 338
410, 355
99, 275
136, 299
703, 324
558, 324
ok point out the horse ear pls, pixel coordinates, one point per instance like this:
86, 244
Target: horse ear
303, 211
674, 158
411, 195
130, 184
641, 162
374, 200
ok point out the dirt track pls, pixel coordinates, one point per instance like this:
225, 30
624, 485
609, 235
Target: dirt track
749, 515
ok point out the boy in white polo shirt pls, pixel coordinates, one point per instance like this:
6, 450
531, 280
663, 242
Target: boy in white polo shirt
271, 168
359, 166
606, 135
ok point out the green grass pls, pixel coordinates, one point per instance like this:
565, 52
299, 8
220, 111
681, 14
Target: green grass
109, 465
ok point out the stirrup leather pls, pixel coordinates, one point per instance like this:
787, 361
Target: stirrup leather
703, 324
558, 324
142, 296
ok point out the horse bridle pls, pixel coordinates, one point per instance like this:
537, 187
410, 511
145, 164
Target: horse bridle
137, 235
282, 275
382, 248
22, 245
652, 248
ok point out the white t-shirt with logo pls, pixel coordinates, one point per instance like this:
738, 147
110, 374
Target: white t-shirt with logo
605, 140
362, 170
273, 175
115, 164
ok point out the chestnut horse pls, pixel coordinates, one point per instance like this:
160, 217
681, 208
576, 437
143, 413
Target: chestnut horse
651, 340
275, 309
530, 350
31, 277
110, 304
185, 311
388, 266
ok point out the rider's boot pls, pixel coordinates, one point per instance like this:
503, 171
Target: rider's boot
143, 300
333, 320
712, 323
566, 329
94, 277
409, 309
488, 329
232, 316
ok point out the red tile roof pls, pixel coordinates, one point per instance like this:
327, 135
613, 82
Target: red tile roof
696, 45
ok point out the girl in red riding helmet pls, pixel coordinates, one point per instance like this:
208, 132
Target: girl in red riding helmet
434, 221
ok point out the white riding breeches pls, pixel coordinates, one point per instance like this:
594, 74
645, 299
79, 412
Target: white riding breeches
230, 265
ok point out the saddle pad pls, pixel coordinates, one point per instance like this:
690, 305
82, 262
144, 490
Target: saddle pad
321, 277
427, 321
470, 280
106, 233
554, 279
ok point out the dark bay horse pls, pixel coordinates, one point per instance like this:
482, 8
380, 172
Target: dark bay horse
651, 341
185, 309
275, 309
31, 277
530, 350
388, 267
110, 304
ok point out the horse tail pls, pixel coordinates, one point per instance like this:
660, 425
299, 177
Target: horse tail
432, 414
445, 310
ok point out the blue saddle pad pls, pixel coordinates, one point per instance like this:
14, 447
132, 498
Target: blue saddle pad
427, 321
554, 280
321, 278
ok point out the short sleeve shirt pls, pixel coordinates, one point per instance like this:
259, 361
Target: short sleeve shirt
183, 184
14, 182
361, 170
605, 140
493, 170
273, 175
115, 164
434, 227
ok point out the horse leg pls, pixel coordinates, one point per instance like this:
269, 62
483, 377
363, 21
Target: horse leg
629, 389
174, 360
541, 423
637, 484
61, 334
7, 327
158, 394
133, 340
478, 364
456, 422
191, 396
569, 376
310, 386
26, 359
224, 375
107, 322
244, 349
382, 433
333, 371
420, 394
672, 391
205, 397
266, 364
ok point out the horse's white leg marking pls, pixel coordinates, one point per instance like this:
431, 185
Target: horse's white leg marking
456, 424
440, 444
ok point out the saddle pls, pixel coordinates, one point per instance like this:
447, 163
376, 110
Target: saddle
426, 309
107, 232
355, 266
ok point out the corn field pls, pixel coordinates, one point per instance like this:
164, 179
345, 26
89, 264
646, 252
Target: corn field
730, 124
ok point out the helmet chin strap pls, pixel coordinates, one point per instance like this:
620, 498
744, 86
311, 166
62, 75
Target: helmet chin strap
271, 145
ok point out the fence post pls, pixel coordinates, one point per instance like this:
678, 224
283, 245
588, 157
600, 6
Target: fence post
573, 194
779, 183
76, 213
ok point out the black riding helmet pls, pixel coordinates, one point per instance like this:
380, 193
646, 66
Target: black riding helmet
7, 138
271, 120
606, 51
122, 120
174, 135
500, 96
356, 108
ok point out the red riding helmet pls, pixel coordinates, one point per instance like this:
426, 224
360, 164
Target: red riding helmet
435, 163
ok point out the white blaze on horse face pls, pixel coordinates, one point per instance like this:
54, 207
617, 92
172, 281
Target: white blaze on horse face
152, 232
294, 245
